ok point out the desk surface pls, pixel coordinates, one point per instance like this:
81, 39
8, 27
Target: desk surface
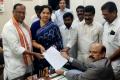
57, 77
53, 77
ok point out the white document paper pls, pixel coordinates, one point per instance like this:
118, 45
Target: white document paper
53, 56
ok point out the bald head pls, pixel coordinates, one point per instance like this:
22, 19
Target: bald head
97, 51
100, 47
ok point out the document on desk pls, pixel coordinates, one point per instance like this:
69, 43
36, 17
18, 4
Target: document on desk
53, 56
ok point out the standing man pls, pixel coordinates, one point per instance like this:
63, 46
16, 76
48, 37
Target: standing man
89, 31
77, 22
98, 69
60, 12
17, 45
111, 35
70, 39
80, 13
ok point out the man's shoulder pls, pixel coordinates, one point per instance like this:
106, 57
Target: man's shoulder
81, 25
8, 27
57, 11
8, 24
118, 21
97, 24
103, 63
62, 27
68, 10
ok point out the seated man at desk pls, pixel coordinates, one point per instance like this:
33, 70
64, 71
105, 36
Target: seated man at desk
98, 68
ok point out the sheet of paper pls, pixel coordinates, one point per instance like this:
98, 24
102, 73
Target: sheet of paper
53, 56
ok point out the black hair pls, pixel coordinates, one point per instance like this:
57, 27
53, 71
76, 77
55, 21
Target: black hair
15, 6
90, 9
37, 8
62, 0
68, 14
80, 7
103, 49
46, 6
110, 6
43, 7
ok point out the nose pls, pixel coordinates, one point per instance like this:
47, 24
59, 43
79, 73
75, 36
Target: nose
87, 17
105, 17
90, 53
22, 14
45, 14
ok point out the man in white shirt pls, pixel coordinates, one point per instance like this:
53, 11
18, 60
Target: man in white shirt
69, 35
17, 45
111, 35
88, 32
60, 12
80, 14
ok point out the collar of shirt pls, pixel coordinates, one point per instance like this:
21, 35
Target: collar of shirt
89, 24
114, 22
67, 28
63, 10
79, 20
21, 25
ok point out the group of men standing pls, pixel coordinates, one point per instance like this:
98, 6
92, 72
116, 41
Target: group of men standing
89, 31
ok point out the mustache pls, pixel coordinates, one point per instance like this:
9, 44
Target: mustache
80, 14
87, 19
91, 57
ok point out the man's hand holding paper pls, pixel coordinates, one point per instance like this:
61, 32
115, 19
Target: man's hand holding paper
53, 56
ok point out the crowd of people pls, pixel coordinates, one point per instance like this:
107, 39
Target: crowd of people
91, 48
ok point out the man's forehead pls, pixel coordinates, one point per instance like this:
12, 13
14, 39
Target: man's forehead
96, 45
105, 11
80, 9
62, 0
88, 13
20, 7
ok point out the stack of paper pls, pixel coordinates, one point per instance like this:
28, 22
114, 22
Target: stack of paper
53, 56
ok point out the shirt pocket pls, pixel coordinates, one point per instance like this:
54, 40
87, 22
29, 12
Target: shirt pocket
111, 38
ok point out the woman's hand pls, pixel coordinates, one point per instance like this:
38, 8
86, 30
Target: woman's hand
37, 55
38, 46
